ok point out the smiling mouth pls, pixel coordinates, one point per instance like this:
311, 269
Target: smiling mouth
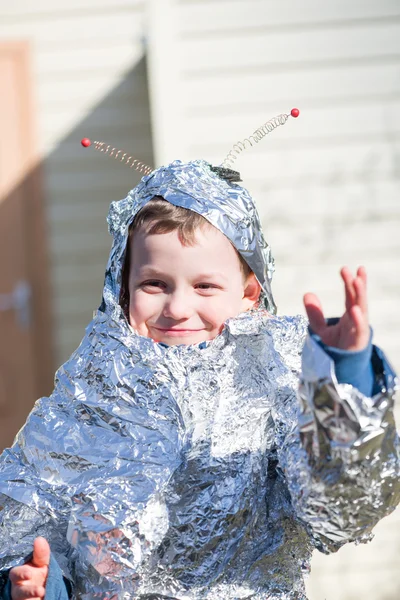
176, 332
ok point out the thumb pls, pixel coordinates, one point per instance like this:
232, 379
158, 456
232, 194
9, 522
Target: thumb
314, 313
41, 553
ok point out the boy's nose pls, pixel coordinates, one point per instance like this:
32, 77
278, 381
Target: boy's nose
177, 307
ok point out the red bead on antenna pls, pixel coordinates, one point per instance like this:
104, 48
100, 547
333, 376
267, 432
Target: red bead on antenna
120, 154
295, 112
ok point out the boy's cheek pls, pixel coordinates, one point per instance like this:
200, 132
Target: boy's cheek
137, 315
220, 311
142, 304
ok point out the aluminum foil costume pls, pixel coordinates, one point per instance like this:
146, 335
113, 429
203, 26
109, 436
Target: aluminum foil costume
192, 472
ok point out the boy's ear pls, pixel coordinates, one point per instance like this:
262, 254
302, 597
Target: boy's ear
252, 291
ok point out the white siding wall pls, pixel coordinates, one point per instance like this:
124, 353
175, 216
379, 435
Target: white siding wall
327, 184
89, 80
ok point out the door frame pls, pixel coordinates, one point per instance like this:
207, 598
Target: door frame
27, 182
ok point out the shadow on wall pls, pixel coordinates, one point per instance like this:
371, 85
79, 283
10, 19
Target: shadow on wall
54, 238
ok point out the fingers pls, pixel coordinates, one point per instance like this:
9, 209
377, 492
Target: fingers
361, 272
361, 294
18, 574
28, 581
24, 584
314, 313
357, 317
33, 592
41, 553
350, 293
355, 288
26, 575
360, 323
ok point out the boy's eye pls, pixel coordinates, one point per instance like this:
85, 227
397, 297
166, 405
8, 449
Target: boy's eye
206, 286
153, 283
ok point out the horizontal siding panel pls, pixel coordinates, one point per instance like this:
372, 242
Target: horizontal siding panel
134, 139
221, 54
76, 193
356, 201
23, 9
373, 119
70, 276
91, 256
124, 54
83, 300
109, 132
84, 207
79, 297
108, 116
217, 149
51, 98
81, 221
239, 92
78, 217
319, 241
54, 30
122, 86
317, 165
110, 76
233, 15
72, 338
325, 277
70, 156
81, 183
73, 243
70, 310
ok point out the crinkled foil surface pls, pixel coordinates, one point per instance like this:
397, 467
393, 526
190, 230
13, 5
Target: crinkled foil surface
196, 472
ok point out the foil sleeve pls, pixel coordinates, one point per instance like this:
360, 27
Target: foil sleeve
341, 459
30, 507
88, 469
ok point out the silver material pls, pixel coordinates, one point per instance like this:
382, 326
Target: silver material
187, 472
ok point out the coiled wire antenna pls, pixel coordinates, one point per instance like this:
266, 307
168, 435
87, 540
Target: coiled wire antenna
256, 136
124, 157
223, 170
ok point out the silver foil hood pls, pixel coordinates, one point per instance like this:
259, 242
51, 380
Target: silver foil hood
195, 186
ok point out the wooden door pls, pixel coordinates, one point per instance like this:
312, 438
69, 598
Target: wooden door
26, 368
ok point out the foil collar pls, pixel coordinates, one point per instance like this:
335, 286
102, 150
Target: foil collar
189, 473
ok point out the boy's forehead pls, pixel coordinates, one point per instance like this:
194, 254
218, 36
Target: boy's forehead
209, 248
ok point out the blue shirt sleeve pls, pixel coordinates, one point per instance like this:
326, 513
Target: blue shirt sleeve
56, 586
353, 367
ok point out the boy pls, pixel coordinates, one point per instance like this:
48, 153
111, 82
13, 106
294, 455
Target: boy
171, 460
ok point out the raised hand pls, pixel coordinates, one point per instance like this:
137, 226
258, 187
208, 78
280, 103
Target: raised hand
29, 580
352, 330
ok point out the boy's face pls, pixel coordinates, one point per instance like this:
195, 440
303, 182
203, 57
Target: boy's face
184, 294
